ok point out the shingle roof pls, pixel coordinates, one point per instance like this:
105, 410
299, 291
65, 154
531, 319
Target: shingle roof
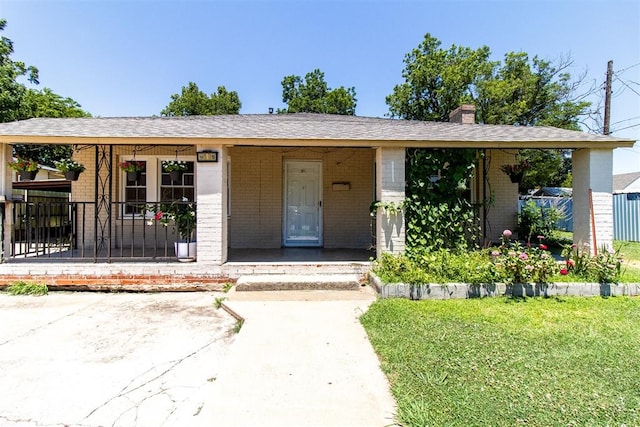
292, 127
622, 181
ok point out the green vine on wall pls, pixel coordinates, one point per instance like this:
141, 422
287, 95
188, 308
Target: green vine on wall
390, 208
438, 209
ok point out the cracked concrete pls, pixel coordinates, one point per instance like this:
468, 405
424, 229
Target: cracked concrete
97, 359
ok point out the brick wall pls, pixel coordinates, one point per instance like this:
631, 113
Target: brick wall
593, 170
257, 201
83, 190
390, 187
503, 212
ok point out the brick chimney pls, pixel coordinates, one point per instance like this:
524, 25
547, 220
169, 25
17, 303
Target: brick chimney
464, 114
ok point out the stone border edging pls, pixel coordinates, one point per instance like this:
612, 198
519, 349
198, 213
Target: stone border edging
463, 290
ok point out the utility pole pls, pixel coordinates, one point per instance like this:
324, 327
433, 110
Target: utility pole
607, 99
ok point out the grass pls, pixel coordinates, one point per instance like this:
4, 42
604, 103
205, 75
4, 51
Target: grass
27, 288
630, 250
506, 362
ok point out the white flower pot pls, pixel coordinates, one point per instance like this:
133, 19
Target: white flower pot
186, 252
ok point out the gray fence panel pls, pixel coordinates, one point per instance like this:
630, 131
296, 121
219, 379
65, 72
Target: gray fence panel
564, 204
626, 217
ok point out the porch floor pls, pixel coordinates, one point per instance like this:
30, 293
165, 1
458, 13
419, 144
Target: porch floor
286, 255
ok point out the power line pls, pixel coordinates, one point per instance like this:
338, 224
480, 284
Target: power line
625, 69
629, 87
626, 120
628, 127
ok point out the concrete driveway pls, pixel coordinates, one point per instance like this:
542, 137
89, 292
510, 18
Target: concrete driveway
99, 359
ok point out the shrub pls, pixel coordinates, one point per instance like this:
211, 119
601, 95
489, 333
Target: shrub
517, 263
535, 220
606, 267
436, 267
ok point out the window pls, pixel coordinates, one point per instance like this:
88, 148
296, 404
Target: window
154, 185
135, 191
177, 190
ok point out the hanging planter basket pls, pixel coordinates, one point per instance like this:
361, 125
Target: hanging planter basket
27, 175
176, 176
516, 177
72, 175
133, 176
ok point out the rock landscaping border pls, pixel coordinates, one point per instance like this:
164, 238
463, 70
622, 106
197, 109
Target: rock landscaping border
463, 290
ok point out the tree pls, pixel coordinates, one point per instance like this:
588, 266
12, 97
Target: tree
516, 91
437, 81
11, 91
46, 103
17, 102
193, 102
312, 95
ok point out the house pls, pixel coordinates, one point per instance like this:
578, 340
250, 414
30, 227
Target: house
626, 207
267, 184
626, 183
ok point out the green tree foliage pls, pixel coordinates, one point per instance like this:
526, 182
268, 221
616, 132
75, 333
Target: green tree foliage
17, 102
515, 91
437, 81
11, 90
46, 103
193, 102
312, 95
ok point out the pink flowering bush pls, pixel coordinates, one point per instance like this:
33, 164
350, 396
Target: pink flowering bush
517, 263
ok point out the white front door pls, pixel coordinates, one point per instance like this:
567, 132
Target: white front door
302, 203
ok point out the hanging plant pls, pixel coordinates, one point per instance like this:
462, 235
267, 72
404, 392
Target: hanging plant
174, 166
132, 166
70, 168
23, 165
516, 171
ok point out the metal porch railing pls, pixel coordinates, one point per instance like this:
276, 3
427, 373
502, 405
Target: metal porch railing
70, 231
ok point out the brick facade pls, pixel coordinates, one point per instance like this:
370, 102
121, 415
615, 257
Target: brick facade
592, 186
257, 177
502, 211
390, 188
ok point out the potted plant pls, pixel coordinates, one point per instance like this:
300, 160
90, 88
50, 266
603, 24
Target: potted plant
175, 168
516, 171
71, 168
133, 169
27, 169
182, 215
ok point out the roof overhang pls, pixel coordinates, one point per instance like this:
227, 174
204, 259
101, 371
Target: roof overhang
318, 130
271, 142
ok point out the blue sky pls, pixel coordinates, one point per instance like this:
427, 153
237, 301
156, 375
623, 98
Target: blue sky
126, 58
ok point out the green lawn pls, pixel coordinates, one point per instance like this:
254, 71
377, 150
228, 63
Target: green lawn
630, 250
508, 362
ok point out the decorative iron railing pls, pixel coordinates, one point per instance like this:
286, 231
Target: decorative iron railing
76, 231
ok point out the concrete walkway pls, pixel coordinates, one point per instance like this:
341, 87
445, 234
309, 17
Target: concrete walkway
302, 358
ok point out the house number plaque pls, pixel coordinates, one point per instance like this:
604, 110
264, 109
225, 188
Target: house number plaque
207, 156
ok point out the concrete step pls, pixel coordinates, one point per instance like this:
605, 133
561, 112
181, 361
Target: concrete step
293, 282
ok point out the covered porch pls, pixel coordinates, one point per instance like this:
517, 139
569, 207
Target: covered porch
258, 208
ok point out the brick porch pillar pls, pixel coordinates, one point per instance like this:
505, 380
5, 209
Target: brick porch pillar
6, 185
211, 196
593, 170
390, 187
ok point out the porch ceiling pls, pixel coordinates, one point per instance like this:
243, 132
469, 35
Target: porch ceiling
295, 130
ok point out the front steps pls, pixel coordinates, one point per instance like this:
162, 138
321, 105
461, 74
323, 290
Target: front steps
298, 282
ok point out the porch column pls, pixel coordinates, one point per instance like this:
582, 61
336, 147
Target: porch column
211, 197
390, 187
593, 170
6, 185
